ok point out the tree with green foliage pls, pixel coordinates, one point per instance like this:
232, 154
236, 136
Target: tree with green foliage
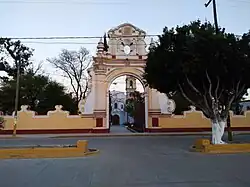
130, 107
131, 102
181, 103
37, 91
16, 52
209, 69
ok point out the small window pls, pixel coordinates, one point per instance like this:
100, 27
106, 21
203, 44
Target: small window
121, 106
131, 84
115, 106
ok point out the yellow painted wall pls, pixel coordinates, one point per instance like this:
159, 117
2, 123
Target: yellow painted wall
58, 119
195, 119
240, 120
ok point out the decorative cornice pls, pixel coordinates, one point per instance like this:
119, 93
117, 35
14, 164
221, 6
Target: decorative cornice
100, 113
154, 112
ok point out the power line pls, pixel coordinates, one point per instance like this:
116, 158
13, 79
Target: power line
79, 43
63, 2
75, 43
77, 37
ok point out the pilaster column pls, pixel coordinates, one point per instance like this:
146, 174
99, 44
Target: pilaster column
146, 107
154, 107
100, 100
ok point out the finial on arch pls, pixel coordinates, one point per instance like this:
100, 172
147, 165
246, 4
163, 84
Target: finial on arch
152, 43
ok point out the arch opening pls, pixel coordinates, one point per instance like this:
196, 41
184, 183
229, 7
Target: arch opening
128, 101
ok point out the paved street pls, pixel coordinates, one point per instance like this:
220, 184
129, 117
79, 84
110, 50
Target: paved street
158, 161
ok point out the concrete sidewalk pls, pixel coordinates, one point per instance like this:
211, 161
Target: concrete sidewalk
99, 135
113, 134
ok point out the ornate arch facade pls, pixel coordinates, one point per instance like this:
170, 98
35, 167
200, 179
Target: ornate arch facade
118, 61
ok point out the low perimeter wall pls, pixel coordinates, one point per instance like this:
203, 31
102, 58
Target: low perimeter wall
194, 121
57, 121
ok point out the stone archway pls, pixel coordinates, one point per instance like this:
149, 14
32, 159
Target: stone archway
135, 72
115, 62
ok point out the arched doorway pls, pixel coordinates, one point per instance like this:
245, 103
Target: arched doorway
115, 120
135, 94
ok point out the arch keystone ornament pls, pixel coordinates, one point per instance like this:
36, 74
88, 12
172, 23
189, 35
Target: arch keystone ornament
126, 54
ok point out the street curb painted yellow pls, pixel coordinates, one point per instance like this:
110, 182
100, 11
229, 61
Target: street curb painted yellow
205, 146
80, 150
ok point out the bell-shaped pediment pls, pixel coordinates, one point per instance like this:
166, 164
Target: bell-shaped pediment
127, 41
126, 29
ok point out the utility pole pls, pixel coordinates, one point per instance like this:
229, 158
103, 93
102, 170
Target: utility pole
215, 14
17, 95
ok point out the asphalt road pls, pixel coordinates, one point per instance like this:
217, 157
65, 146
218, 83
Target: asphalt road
128, 162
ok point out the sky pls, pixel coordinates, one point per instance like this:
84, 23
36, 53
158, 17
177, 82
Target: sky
37, 18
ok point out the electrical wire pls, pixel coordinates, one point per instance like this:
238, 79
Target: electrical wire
79, 37
74, 43
63, 2
79, 2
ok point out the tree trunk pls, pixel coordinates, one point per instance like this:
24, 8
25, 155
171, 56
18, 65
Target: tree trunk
218, 127
229, 129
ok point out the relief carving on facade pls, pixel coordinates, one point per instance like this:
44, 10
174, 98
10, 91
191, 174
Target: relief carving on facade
129, 36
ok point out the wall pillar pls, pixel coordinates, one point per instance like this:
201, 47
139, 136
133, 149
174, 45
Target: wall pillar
100, 101
146, 106
154, 107
100, 117
100, 92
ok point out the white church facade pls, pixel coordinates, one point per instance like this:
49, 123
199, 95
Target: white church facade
118, 113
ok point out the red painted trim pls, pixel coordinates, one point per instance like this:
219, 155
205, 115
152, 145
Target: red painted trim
99, 122
156, 130
101, 131
56, 131
155, 122
151, 130
239, 128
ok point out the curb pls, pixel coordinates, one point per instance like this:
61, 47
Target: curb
117, 135
132, 134
56, 151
